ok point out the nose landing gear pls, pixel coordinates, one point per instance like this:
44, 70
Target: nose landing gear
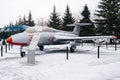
41, 48
22, 53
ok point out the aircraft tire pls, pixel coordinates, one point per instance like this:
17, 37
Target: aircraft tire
72, 49
41, 48
22, 54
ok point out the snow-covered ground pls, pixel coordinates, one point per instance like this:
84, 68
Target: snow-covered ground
51, 64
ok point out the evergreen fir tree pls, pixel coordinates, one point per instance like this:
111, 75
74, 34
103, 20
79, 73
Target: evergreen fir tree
24, 20
86, 30
54, 21
108, 17
5, 27
20, 21
16, 23
30, 22
11, 24
86, 13
67, 19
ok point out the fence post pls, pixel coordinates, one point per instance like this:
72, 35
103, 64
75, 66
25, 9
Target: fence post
106, 45
115, 46
9, 46
6, 48
1, 50
98, 52
67, 56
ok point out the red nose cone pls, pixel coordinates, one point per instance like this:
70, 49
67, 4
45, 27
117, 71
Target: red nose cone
9, 40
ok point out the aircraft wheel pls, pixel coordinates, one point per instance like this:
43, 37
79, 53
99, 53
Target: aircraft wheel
22, 54
41, 48
72, 49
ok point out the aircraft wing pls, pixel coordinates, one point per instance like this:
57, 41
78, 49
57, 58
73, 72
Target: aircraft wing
58, 37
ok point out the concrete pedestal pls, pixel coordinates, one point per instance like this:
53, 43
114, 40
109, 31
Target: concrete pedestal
31, 57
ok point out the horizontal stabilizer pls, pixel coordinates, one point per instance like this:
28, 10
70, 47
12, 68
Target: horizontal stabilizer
79, 24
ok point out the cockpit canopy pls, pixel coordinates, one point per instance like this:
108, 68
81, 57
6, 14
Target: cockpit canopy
31, 29
40, 29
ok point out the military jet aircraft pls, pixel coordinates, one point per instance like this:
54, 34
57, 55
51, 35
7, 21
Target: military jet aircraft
51, 36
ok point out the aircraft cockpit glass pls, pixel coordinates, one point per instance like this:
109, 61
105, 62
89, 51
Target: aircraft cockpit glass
39, 29
46, 29
30, 30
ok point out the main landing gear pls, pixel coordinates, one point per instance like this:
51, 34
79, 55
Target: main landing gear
22, 53
41, 48
72, 49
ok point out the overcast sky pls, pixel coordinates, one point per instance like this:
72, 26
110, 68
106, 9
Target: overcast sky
12, 9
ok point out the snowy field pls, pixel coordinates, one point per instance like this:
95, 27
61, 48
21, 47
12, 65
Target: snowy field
51, 64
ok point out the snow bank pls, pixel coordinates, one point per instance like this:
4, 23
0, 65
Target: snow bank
51, 64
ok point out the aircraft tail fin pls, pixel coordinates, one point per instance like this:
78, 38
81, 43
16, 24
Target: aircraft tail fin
76, 30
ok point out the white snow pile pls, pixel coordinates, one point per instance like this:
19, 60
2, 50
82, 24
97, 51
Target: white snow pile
51, 64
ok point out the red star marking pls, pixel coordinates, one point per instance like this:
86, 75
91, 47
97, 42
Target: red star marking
76, 30
30, 37
49, 39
